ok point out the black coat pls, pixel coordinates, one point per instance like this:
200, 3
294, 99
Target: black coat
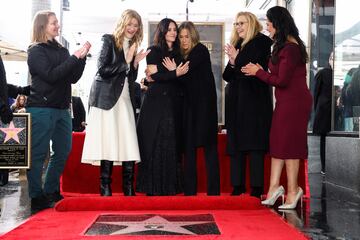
164, 95
52, 71
249, 100
3, 85
200, 99
9, 90
110, 77
322, 101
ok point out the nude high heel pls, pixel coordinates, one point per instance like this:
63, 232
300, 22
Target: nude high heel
271, 201
299, 196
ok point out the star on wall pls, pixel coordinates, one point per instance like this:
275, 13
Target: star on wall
11, 132
154, 223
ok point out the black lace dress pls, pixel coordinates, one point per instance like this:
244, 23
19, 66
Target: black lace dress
159, 132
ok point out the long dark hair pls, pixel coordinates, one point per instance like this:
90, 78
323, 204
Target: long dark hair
285, 26
160, 32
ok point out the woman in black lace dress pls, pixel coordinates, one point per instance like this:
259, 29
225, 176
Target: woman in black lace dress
160, 121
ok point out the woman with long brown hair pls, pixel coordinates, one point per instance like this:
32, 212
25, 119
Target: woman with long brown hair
19, 105
160, 120
288, 134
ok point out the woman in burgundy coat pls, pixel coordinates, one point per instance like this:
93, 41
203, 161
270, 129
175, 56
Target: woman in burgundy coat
288, 134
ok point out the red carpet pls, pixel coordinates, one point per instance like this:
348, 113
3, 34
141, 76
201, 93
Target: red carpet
236, 218
201, 202
84, 178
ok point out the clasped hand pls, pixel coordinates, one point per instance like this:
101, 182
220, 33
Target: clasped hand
251, 69
170, 65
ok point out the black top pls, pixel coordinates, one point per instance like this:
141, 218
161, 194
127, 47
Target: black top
52, 71
164, 79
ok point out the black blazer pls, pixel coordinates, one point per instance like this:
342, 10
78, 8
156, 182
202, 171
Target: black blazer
110, 77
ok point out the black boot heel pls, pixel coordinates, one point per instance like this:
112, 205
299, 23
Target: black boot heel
105, 177
128, 178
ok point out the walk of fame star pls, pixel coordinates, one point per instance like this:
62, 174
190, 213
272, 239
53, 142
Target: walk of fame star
154, 225
11, 132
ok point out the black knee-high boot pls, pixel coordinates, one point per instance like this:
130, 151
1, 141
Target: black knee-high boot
105, 177
128, 178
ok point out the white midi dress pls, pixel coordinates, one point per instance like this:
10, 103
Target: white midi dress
111, 134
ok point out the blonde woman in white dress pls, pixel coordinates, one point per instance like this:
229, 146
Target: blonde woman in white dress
111, 132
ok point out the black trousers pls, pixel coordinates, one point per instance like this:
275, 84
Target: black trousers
212, 170
238, 169
4, 176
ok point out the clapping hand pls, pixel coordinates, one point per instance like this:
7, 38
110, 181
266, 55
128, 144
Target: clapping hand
140, 56
231, 52
83, 51
131, 52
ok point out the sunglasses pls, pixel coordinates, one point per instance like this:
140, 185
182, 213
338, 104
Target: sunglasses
236, 24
